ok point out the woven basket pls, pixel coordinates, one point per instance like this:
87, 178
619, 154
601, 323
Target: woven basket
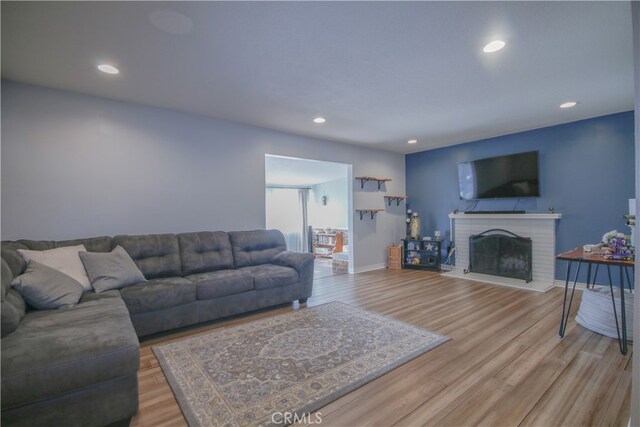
596, 311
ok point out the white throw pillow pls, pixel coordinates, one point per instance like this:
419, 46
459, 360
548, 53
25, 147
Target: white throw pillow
64, 259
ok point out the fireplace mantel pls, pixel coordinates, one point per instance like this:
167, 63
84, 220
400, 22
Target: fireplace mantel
539, 227
553, 216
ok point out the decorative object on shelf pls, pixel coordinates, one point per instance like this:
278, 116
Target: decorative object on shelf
589, 248
618, 250
414, 226
372, 212
617, 246
364, 179
397, 199
437, 234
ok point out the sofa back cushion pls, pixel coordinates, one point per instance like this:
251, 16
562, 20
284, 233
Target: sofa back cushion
17, 263
156, 255
12, 257
256, 247
205, 251
92, 244
13, 306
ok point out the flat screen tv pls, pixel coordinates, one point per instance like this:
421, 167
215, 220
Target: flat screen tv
501, 177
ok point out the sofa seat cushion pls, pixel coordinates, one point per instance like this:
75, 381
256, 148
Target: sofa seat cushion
53, 352
158, 294
267, 276
93, 296
221, 283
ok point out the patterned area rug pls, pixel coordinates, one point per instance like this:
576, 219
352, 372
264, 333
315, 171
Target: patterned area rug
295, 363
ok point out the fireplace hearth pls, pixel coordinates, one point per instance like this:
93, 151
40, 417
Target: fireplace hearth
502, 253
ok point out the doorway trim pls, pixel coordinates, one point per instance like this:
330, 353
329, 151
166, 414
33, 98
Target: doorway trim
350, 231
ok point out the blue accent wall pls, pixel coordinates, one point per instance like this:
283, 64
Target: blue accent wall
586, 174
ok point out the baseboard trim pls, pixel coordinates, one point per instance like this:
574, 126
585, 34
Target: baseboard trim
579, 286
499, 281
371, 267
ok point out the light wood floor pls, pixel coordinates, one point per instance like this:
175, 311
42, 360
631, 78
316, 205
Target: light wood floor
505, 366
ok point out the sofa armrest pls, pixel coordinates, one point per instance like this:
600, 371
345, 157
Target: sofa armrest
295, 260
303, 263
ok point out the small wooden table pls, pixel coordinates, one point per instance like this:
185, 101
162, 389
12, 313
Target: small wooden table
578, 255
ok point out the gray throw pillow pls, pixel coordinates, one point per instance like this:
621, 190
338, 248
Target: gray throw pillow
46, 288
112, 270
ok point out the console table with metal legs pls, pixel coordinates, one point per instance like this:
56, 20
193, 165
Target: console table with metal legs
580, 257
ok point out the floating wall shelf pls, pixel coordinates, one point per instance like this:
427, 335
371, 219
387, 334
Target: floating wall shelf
373, 212
397, 199
364, 179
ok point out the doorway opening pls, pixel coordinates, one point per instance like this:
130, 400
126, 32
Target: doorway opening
310, 202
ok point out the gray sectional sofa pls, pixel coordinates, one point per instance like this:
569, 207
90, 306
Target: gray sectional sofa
78, 366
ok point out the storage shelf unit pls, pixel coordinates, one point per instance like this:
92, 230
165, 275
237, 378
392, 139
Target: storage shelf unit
427, 252
326, 242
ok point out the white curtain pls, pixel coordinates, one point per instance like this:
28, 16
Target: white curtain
303, 199
287, 212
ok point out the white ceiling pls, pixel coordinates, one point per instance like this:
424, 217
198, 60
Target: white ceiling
380, 72
288, 171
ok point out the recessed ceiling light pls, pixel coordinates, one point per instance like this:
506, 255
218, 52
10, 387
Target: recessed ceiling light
109, 69
319, 120
568, 104
412, 141
494, 46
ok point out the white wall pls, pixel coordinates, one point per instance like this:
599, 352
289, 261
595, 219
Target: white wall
78, 166
635, 397
335, 214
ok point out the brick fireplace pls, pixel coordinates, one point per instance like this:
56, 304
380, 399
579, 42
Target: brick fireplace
507, 265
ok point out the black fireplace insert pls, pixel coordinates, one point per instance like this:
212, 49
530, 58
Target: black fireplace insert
501, 253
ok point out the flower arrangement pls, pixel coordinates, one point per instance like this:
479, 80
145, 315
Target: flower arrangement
617, 246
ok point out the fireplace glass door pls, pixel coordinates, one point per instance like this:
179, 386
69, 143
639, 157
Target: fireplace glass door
501, 253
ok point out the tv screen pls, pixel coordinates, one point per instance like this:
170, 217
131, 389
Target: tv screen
501, 177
